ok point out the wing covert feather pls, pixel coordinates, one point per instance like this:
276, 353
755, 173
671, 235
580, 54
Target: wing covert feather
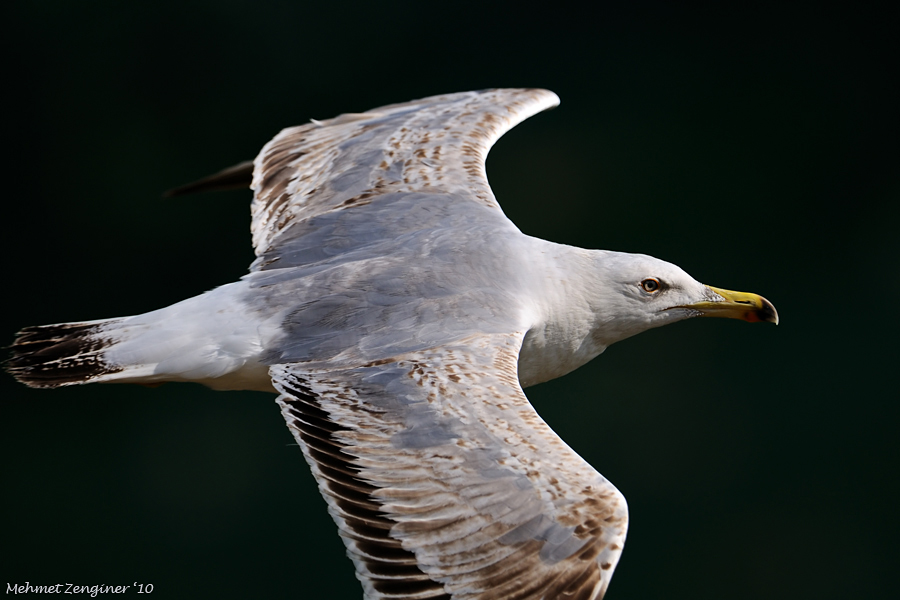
436, 144
444, 481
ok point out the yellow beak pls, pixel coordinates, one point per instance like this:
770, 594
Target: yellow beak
737, 305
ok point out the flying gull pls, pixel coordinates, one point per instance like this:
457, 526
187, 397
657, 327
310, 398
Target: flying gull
399, 314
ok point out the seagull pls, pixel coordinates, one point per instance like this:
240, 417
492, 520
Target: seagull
398, 314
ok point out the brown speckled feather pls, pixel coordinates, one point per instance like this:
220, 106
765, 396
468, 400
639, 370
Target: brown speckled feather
436, 144
444, 481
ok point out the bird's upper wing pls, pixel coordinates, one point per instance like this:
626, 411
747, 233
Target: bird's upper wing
437, 144
444, 481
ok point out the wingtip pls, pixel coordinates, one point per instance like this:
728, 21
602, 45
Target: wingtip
235, 177
546, 98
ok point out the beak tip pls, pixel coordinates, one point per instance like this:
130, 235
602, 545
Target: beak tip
767, 312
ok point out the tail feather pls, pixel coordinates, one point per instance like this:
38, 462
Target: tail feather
49, 356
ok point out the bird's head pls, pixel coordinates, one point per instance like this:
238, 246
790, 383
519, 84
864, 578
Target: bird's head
639, 292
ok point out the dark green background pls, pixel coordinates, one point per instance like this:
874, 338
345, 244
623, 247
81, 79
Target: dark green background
757, 148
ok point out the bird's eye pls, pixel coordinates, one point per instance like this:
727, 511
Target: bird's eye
650, 285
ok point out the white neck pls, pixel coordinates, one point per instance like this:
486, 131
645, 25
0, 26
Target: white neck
561, 338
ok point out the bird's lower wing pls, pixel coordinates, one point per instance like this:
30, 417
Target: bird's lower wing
444, 481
